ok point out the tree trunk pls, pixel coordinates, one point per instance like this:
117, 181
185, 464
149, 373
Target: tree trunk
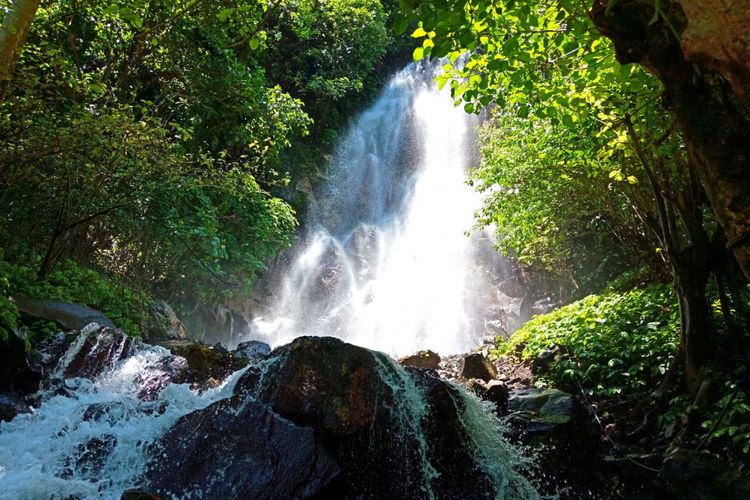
714, 121
13, 32
690, 282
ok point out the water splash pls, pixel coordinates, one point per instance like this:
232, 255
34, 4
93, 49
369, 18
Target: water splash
385, 262
93, 442
499, 459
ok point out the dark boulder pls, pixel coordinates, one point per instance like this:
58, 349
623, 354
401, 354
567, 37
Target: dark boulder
421, 359
459, 475
94, 351
551, 406
206, 366
238, 448
10, 406
70, 316
690, 474
254, 350
394, 433
478, 366
555, 425
138, 494
497, 392
16, 376
544, 359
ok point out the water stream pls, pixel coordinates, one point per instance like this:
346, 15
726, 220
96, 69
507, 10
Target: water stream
384, 264
384, 261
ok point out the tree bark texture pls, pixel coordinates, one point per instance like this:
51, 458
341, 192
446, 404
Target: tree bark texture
13, 32
710, 107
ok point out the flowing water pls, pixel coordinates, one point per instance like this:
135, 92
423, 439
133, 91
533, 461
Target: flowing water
385, 261
384, 264
91, 440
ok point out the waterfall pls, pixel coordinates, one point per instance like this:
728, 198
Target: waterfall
384, 261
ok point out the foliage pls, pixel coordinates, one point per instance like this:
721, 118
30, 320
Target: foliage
125, 306
326, 54
611, 343
552, 203
732, 433
143, 138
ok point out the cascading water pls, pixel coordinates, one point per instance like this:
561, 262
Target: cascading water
91, 439
385, 262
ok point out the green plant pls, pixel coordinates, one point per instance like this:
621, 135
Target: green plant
611, 343
125, 306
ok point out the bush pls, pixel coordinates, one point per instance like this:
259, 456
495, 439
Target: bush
71, 283
611, 343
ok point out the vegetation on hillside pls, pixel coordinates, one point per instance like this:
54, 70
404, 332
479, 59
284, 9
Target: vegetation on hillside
613, 350
145, 140
612, 148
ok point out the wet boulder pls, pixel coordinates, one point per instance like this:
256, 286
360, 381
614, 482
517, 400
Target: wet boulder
459, 475
254, 350
163, 324
395, 433
551, 406
421, 359
94, 350
69, 315
206, 366
497, 393
238, 448
10, 406
17, 376
478, 366
564, 439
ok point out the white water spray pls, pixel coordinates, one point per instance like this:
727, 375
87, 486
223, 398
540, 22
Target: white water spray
386, 263
94, 441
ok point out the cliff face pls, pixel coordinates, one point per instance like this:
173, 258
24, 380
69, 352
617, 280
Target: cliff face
700, 50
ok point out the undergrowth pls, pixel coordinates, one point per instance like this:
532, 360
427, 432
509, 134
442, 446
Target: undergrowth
617, 346
70, 282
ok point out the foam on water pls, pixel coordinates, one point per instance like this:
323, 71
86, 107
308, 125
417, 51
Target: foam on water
44, 454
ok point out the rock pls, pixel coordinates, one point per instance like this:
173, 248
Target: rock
551, 406
395, 433
254, 350
163, 324
16, 376
10, 406
559, 430
170, 369
497, 392
109, 412
690, 474
421, 359
138, 494
90, 455
204, 363
94, 351
478, 366
458, 473
70, 316
238, 448
544, 359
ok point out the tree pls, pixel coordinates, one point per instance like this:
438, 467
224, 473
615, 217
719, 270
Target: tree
13, 31
548, 61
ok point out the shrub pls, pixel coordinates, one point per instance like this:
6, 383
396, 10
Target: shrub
611, 343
